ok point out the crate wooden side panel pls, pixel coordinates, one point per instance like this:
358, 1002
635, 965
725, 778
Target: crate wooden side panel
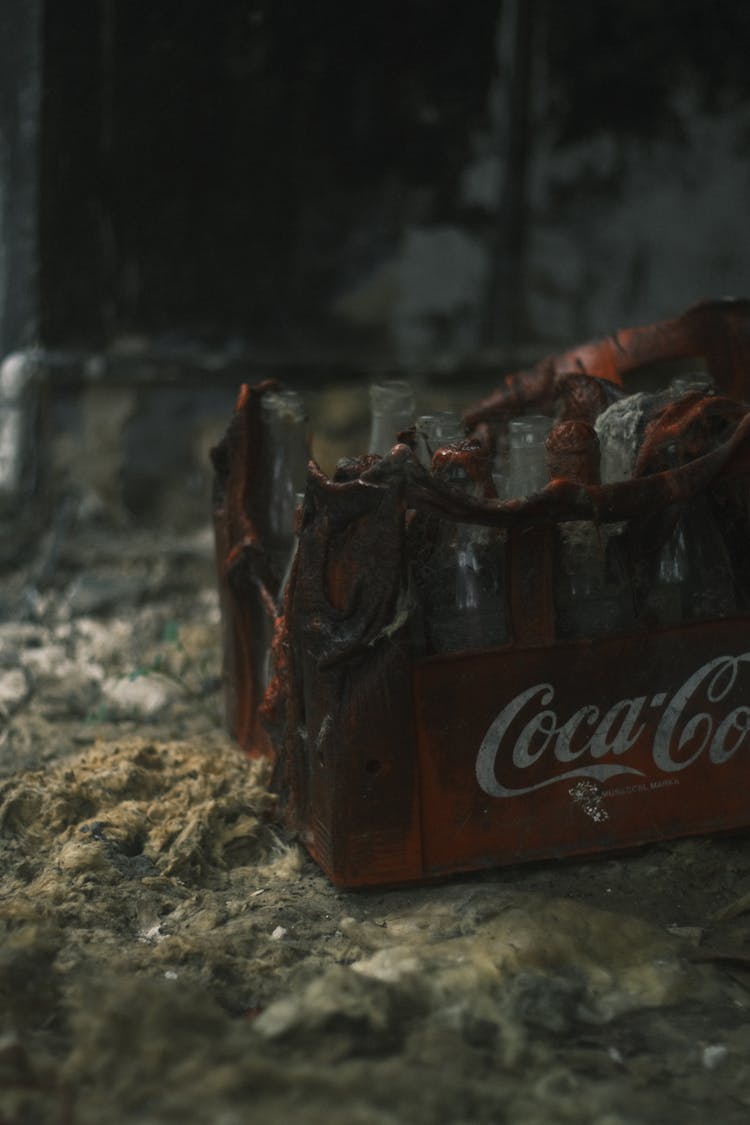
586, 747
246, 575
362, 823
347, 773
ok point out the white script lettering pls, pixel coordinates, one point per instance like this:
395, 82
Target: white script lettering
616, 732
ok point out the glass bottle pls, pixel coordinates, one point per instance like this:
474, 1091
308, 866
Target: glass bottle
692, 577
464, 579
526, 466
592, 594
435, 431
619, 430
285, 426
666, 598
621, 426
392, 409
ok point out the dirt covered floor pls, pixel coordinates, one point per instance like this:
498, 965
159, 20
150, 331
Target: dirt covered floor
169, 954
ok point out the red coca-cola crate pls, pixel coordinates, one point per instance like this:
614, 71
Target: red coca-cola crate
393, 765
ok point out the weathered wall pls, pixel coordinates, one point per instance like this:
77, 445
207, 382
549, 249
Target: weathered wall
404, 182
323, 190
633, 193
20, 80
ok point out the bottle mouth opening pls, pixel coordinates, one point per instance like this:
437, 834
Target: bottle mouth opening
284, 405
395, 392
529, 428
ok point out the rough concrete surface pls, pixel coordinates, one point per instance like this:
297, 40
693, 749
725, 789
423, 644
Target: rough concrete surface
168, 953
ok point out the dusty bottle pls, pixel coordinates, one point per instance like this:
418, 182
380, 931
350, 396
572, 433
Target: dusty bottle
692, 576
710, 586
592, 595
526, 470
622, 425
285, 426
620, 430
391, 410
464, 580
666, 598
436, 430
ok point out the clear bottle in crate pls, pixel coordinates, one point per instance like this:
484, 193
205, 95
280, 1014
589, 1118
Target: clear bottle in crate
692, 578
622, 425
666, 596
592, 593
526, 470
620, 429
285, 426
435, 431
391, 411
463, 581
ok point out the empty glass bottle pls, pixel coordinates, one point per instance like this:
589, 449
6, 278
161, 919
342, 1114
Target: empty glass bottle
463, 585
435, 431
285, 425
622, 425
692, 577
620, 429
666, 597
391, 410
526, 468
592, 594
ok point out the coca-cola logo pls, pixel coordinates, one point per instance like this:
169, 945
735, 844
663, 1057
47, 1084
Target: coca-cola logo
528, 729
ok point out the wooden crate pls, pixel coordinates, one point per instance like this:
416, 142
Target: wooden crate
393, 765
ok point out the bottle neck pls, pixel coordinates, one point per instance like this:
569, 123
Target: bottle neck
285, 426
391, 411
526, 463
435, 431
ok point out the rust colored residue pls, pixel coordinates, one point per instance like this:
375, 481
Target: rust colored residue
717, 331
573, 452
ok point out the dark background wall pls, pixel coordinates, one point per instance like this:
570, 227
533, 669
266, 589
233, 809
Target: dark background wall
408, 182
20, 147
